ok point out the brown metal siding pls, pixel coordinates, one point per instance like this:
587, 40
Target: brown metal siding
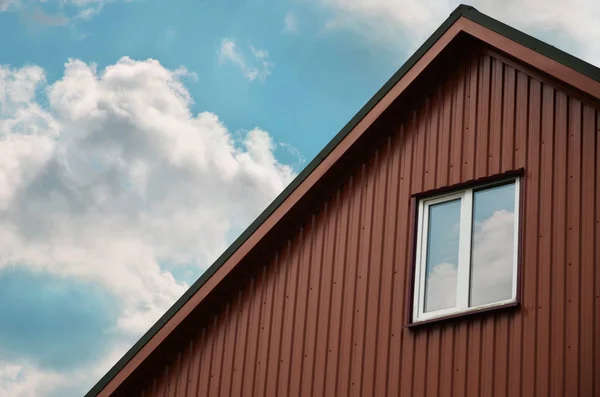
325, 315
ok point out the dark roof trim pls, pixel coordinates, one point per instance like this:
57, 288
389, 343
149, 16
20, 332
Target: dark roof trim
531, 42
461, 11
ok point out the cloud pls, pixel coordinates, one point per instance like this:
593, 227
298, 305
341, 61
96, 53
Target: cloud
6, 4
109, 180
23, 380
290, 23
491, 272
259, 68
39, 17
493, 241
570, 25
294, 153
440, 292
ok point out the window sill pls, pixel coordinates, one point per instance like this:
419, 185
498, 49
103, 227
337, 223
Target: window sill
459, 316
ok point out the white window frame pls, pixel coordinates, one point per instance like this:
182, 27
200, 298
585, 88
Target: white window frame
464, 252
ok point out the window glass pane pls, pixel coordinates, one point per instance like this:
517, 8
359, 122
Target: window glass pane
492, 245
442, 255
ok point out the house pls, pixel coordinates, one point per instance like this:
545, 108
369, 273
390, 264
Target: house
445, 243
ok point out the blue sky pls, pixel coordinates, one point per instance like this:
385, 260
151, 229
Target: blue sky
139, 138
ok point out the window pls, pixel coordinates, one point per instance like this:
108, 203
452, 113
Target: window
466, 257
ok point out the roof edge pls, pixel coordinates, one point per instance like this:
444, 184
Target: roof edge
530, 42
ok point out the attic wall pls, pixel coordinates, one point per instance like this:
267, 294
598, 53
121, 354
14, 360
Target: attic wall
325, 314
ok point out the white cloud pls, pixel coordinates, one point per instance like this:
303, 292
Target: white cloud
492, 260
571, 25
290, 23
24, 380
114, 180
441, 287
36, 17
6, 4
259, 68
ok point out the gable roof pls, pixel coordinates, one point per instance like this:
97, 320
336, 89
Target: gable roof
550, 60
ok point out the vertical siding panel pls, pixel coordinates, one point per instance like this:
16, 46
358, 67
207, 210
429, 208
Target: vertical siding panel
186, 362
375, 263
521, 119
263, 332
432, 367
386, 333
206, 362
432, 372
265, 344
420, 343
217, 357
559, 260
162, 383
457, 132
323, 351
173, 379
364, 248
255, 312
586, 314
494, 154
348, 311
204, 354
301, 310
530, 242
431, 145
473, 357
408, 340
466, 135
597, 264
483, 117
515, 378
400, 298
289, 325
273, 362
504, 124
193, 374
445, 358
471, 133
342, 199
230, 346
241, 340
508, 119
486, 371
444, 145
312, 310
446, 361
544, 241
496, 117
573, 203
